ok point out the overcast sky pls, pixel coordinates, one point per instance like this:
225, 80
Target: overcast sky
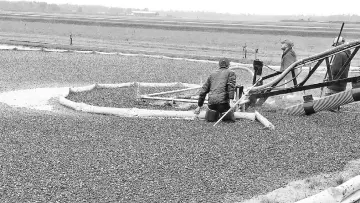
265, 7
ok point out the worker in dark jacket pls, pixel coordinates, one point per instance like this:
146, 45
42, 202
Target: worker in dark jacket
338, 71
288, 57
220, 87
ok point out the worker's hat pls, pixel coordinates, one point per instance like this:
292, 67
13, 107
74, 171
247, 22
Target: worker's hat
339, 42
224, 63
288, 42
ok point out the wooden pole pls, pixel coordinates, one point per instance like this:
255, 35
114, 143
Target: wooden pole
264, 121
170, 99
173, 91
239, 102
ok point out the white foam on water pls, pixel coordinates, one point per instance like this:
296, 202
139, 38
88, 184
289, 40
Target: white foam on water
105, 53
23, 48
6, 47
32, 98
124, 54
285, 100
84, 52
55, 50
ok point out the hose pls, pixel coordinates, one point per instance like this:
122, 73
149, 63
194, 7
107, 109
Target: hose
325, 103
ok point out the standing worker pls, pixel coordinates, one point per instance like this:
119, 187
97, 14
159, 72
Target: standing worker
338, 70
288, 57
220, 86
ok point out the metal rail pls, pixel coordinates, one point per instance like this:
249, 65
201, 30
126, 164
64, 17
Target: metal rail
307, 87
315, 58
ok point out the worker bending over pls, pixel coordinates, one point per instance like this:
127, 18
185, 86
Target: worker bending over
220, 86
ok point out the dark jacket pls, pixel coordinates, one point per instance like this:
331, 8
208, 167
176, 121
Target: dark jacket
220, 85
287, 59
338, 71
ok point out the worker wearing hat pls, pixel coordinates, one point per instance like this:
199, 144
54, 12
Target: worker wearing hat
338, 41
338, 71
220, 87
288, 57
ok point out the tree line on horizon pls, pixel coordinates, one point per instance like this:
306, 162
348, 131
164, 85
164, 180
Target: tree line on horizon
34, 6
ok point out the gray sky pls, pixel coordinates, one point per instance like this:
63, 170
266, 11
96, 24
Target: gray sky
265, 7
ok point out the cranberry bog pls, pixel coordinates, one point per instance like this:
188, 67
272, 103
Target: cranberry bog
70, 156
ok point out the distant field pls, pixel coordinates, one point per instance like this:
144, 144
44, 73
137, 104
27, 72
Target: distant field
290, 28
193, 42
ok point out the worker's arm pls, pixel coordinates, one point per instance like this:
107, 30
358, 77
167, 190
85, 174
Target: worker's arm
203, 91
231, 83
